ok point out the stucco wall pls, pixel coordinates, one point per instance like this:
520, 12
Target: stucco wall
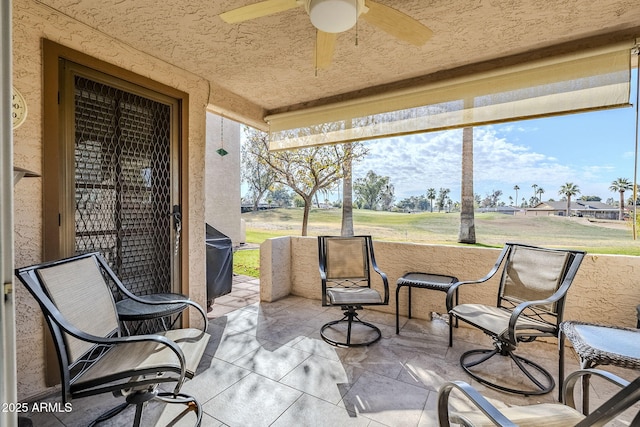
275, 257
605, 289
222, 187
31, 23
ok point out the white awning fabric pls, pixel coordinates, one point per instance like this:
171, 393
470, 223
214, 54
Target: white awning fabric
581, 81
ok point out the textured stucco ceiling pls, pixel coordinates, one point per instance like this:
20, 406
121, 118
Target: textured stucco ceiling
269, 61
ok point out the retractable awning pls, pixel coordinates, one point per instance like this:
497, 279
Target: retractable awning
577, 82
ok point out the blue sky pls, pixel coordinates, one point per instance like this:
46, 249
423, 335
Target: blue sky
589, 149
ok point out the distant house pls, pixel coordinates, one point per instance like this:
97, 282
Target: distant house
580, 208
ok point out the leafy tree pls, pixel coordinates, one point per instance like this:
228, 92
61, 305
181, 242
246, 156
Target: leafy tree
467, 232
431, 195
255, 172
621, 185
371, 189
414, 203
492, 199
590, 198
306, 171
387, 197
422, 204
443, 195
280, 196
569, 190
298, 201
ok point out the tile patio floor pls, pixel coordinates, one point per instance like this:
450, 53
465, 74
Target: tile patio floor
266, 365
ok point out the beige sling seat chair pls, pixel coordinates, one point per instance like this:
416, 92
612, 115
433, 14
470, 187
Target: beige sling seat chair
476, 411
345, 270
530, 304
94, 356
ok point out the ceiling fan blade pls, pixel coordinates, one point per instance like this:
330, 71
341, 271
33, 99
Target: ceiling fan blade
396, 23
257, 10
325, 45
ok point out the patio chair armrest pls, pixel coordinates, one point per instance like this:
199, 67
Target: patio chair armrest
81, 335
475, 397
167, 342
492, 272
515, 314
160, 339
568, 388
385, 282
452, 289
186, 301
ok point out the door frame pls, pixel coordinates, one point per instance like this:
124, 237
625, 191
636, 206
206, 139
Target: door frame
8, 369
52, 170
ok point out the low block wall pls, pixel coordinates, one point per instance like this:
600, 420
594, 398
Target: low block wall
605, 289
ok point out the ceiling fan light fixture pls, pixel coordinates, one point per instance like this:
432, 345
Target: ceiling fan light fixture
333, 16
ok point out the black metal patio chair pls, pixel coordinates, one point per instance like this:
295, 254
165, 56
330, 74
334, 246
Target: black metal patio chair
530, 304
94, 356
482, 413
345, 270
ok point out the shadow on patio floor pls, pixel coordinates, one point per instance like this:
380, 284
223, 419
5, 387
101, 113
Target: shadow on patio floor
266, 365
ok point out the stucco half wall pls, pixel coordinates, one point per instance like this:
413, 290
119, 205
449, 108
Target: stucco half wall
605, 289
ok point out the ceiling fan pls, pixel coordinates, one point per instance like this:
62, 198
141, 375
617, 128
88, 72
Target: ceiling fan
331, 17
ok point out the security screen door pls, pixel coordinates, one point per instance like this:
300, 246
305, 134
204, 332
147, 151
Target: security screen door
125, 177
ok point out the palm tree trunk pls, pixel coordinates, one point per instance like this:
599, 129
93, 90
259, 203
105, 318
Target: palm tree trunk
347, 197
621, 214
467, 232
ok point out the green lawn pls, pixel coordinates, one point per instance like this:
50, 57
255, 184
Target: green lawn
492, 230
247, 262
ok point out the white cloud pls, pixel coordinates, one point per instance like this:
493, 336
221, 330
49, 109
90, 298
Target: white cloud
418, 162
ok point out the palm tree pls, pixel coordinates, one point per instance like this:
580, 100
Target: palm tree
621, 185
431, 194
540, 192
347, 195
467, 233
568, 190
515, 187
535, 192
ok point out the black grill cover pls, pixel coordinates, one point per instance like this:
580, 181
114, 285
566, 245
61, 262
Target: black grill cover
219, 264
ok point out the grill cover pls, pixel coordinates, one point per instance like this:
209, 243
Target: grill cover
219, 264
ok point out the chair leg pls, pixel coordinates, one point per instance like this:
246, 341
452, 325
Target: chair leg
109, 414
140, 397
525, 365
189, 401
586, 364
397, 309
135, 397
451, 317
350, 316
560, 365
